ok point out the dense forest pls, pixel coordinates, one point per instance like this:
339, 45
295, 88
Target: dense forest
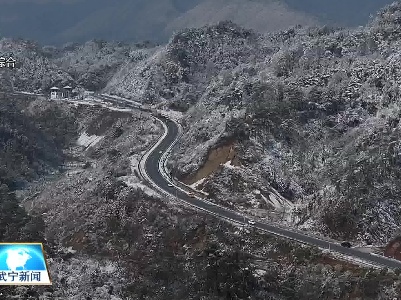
32, 145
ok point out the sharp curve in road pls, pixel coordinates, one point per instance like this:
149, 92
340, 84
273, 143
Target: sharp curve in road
153, 172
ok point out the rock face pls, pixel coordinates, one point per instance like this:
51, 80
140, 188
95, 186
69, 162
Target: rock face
215, 159
393, 248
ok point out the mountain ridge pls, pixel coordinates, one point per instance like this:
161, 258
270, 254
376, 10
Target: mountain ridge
135, 21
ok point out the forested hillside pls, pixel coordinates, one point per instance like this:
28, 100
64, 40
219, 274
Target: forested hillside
32, 143
311, 113
31, 147
299, 127
109, 236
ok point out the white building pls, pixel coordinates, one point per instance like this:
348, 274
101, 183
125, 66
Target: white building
67, 91
55, 93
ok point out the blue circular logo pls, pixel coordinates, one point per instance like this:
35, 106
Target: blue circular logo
22, 257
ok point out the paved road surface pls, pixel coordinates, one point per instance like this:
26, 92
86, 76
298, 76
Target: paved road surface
153, 172
152, 169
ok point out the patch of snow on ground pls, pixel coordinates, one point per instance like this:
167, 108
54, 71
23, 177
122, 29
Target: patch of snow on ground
260, 272
95, 101
124, 99
109, 268
134, 163
28, 93
171, 114
274, 201
307, 225
199, 182
74, 172
120, 109
283, 201
83, 102
89, 98
86, 140
132, 181
71, 250
228, 164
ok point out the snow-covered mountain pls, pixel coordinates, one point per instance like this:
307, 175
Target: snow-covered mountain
287, 106
34, 71
299, 127
181, 70
90, 65
304, 114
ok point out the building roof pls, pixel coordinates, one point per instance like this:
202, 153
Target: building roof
67, 87
54, 88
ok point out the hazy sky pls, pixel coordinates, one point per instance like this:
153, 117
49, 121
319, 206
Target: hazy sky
60, 21
39, 1
351, 12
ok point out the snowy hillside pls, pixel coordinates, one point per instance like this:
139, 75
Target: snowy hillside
110, 236
181, 71
299, 127
93, 63
303, 111
34, 72
89, 66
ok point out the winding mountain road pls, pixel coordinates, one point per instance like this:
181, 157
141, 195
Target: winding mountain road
152, 166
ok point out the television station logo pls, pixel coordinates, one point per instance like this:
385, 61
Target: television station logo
23, 264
